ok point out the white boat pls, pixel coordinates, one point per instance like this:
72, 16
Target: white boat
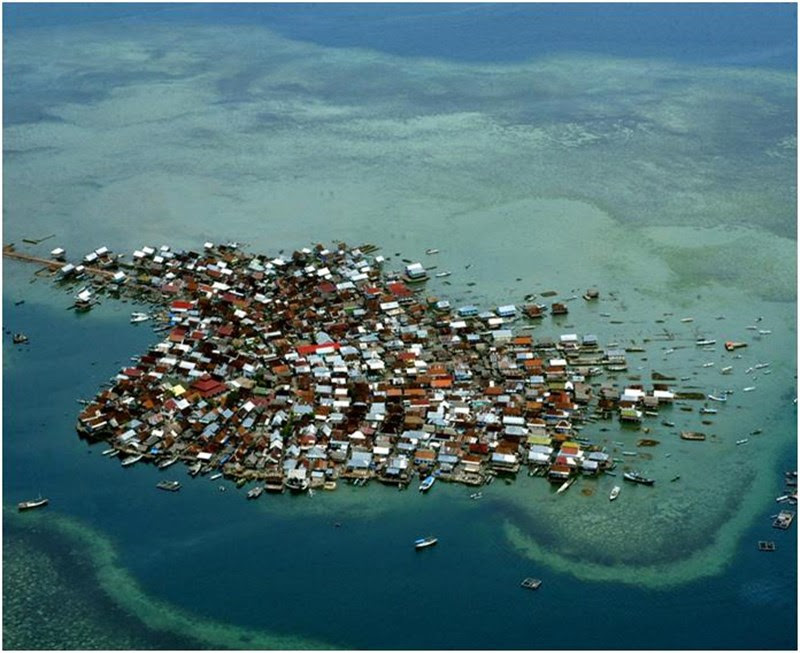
703, 343
139, 317
687, 319
742, 441
764, 332
255, 492
107, 452
425, 542
708, 411
761, 366
39, 502
476, 495
565, 485
432, 250
708, 364
130, 460
427, 483
717, 398
749, 388
443, 274
214, 477
167, 463
726, 370
614, 493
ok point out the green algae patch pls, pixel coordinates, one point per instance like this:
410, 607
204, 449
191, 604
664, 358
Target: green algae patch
126, 593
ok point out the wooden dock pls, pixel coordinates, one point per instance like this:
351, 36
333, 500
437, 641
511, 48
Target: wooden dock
52, 265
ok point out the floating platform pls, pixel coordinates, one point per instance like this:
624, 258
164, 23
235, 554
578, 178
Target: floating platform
531, 583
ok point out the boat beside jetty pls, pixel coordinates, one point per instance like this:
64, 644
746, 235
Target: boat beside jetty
427, 483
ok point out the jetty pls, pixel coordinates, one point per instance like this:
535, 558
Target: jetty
295, 371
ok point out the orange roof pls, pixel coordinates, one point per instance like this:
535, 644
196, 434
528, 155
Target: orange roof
442, 383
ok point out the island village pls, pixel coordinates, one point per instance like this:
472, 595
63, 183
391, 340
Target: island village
302, 371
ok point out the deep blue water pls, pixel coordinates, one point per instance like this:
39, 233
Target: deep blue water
753, 34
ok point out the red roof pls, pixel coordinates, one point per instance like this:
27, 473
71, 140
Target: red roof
181, 305
399, 289
304, 350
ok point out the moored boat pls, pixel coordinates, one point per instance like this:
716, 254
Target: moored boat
614, 493
692, 435
139, 317
730, 345
636, 477
531, 583
255, 492
565, 485
169, 486
130, 460
717, 397
425, 542
704, 343
39, 502
167, 463
427, 483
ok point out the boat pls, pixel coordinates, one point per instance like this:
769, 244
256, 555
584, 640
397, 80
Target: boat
783, 520
742, 441
749, 388
39, 502
717, 398
440, 275
614, 493
167, 463
296, 484
636, 477
708, 411
255, 492
531, 583
130, 460
425, 542
427, 483
761, 366
692, 435
432, 250
476, 495
169, 486
675, 478
19, 339
668, 423
565, 485
764, 332
107, 452
139, 317
214, 477
194, 470
704, 343
730, 345
726, 370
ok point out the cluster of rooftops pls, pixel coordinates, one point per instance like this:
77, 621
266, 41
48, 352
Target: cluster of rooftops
321, 365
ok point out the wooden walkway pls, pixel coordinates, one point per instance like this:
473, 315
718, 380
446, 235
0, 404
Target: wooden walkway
10, 252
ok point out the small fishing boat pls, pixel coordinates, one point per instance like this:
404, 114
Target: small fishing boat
692, 435
636, 477
764, 332
687, 319
19, 339
169, 486
565, 485
107, 452
476, 495
717, 397
139, 317
39, 502
614, 493
130, 460
214, 477
432, 250
708, 364
255, 492
708, 411
726, 370
167, 463
749, 388
704, 343
446, 273
425, 542
427, 483
674, 478
742, 441
730, 345
668, 423
194, 470
531, 583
